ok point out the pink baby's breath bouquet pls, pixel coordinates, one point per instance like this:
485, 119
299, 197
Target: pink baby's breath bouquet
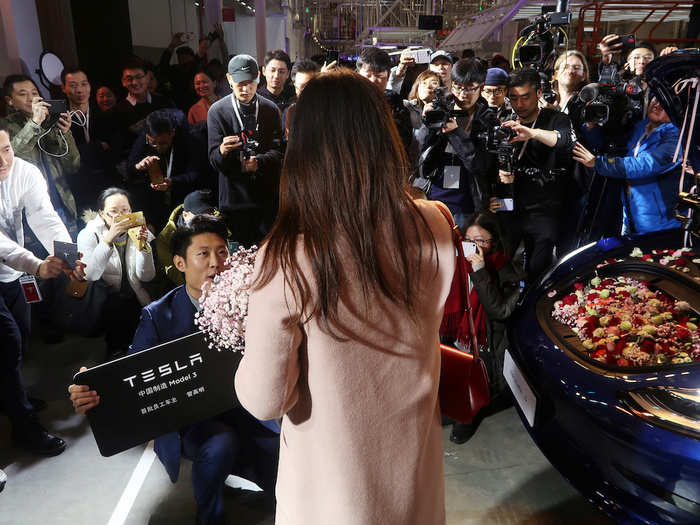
225, 302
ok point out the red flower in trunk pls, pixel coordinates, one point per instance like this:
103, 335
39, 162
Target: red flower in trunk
682, 333
570, 299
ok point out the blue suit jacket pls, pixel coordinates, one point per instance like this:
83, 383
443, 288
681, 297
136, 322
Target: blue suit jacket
651, 175
168, 318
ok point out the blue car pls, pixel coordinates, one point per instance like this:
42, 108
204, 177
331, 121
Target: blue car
625, 433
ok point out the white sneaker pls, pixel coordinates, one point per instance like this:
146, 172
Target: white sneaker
3, 479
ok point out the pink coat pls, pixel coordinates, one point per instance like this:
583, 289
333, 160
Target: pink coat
361, 440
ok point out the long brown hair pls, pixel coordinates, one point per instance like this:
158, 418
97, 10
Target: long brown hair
413, 94
344, 197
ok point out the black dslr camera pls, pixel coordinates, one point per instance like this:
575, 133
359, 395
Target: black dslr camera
442, 111
250, 145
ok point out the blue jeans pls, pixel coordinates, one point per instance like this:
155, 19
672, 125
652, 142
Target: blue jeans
14, 339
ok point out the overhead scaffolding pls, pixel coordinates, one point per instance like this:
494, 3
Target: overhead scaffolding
487, 26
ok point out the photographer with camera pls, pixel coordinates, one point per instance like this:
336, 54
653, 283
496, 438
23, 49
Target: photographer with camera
571, 75
440, 62
375, 64
166, 164
494, 92
422, 93
605, 118
639, 55
540, 168
453, 169
245, 147
650, 177
44, 138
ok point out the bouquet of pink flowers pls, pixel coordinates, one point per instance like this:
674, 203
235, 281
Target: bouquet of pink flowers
225, 302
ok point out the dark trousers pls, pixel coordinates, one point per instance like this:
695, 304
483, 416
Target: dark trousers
120, 318
539, 232
14, 338
233, 442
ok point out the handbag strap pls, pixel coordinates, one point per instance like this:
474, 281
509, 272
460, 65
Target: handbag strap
461, 265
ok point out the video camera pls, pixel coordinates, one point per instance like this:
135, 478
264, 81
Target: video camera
616, 102
442, 111
538, 50
539, 32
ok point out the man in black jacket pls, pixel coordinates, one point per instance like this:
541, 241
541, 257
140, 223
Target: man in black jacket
375, 65
276, 71
131, 112
245, 133
165, 150
94, 132
460, 172
544, 141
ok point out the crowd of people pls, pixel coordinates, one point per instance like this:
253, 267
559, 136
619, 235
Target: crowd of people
334, 171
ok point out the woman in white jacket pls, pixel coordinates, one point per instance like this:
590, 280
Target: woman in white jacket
114, 257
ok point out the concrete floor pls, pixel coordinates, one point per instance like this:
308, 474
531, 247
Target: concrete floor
498, 477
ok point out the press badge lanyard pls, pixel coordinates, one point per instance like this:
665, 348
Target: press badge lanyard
170, 163
534, 125
234, 103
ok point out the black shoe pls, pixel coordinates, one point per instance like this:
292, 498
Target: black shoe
3, 480
31, 436
462, 432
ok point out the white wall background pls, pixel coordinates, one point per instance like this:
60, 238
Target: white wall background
153, 23
240, 35
21, 42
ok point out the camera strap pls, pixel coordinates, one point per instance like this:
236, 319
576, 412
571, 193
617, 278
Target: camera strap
236, 103
169, 169
534, 125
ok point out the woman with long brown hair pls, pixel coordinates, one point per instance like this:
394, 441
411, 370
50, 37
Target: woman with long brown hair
422, 92
342, 333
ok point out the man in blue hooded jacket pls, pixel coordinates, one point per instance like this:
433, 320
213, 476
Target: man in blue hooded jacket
650, 174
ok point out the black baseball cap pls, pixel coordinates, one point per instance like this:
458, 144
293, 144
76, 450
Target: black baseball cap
199, 201
242, 68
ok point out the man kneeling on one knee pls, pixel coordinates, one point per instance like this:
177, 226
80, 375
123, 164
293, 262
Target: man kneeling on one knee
231, 442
